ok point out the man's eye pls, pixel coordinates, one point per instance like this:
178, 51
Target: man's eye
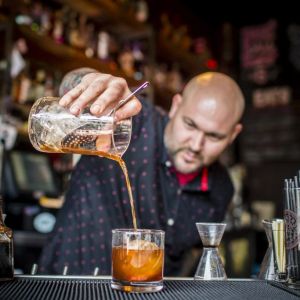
189, 124
214, 138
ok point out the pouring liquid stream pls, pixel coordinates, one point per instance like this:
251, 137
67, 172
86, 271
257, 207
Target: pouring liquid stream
116, 158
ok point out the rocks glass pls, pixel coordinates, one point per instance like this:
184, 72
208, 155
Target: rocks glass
137, 260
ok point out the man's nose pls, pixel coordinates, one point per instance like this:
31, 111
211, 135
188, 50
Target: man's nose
197, 141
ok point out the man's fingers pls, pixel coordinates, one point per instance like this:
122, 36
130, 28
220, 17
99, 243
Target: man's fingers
131, 108
72, 94
103, 91
108, 99
75, 92
96, 88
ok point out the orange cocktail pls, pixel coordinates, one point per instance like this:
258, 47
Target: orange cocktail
137, 260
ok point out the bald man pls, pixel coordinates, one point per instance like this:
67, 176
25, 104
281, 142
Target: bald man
173, 167
203, 121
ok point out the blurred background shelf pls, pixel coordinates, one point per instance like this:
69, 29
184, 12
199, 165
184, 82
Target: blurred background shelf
63, 57
117, 19
192, 64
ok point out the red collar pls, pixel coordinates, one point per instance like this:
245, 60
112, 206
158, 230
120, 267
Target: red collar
184, 179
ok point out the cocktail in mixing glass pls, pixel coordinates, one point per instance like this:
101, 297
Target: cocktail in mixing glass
52, 128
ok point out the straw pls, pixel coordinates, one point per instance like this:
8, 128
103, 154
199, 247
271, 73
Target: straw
287, 207
297, 191
293, 255
294, 209
297, 211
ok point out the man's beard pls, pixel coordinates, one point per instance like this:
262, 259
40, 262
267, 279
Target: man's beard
174, 153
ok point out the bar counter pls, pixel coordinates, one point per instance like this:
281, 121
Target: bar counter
30, 287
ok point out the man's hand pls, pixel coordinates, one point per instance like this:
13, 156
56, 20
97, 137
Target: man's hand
102, 92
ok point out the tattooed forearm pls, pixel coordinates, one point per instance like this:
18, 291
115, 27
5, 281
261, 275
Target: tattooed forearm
73, 78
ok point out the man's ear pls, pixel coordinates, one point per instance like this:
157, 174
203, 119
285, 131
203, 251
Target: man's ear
176, 101
237, 129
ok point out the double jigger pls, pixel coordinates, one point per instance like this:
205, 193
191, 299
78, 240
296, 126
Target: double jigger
210, 266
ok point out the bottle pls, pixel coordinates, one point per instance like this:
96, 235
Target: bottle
6, 250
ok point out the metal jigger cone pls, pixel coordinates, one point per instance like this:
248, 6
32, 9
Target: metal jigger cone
210, 266
267, 269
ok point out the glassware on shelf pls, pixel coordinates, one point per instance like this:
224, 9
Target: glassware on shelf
210, 266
